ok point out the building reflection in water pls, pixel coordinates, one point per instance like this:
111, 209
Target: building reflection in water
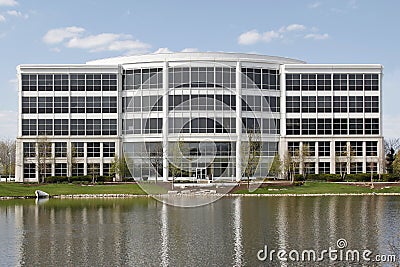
228, 232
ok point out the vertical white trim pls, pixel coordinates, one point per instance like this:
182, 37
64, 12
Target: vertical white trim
238, 121
165, 121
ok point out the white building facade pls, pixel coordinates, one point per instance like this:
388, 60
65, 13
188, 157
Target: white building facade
196, 115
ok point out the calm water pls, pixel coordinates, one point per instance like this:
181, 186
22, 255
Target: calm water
229, 232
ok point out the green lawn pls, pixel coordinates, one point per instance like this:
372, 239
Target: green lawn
12, 189
17, 190
319, 188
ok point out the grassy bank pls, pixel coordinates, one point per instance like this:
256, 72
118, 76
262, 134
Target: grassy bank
15, 190
320, 188
28, 190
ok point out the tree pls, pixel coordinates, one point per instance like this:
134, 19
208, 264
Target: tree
177, 153
276, 166
44, 157
288, 166
391, 144
7, 157
344, 159
300, 159
119, 166
71, 159
156, 158
396, 164
94, 171
253, 149
391, 147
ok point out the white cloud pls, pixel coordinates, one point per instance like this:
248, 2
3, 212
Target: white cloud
285, 33
74, 37
317, 36
295, 27
93, 42
189, 49
16, 13
253, 36
56, 36
2, 18
315, 5
8, 3
269, 36
250, 37
162, 50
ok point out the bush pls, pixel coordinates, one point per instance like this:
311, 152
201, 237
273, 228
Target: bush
56, 179
104, 179
82, 178
128, 179
298, 177
390, 177
360, 177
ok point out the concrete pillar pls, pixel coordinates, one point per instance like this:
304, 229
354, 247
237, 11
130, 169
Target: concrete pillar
165, 122
238, 121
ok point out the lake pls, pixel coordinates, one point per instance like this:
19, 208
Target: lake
233, 231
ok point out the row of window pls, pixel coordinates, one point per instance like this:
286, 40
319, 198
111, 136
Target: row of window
325, 167
69, 82
78, 149
73, 104
337, 82
200, 102
328, 126
200, 125
202, 77
33, 127
142, 79
260, 79
341, 104
341, 147
61, 169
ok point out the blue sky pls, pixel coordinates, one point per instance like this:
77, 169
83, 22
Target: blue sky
337, 31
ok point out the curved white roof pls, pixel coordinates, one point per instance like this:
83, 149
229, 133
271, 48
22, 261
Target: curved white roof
194, 56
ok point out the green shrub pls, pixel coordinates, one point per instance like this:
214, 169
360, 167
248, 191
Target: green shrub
360, 177
56, 179
104, 179
82, 178
128, 179
390, 177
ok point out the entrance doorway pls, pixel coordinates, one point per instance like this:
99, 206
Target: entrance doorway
200, 173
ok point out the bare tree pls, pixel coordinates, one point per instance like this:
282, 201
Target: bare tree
7, 157
391, 143
94, 171
252, 150
156, 158
300, 159
43, 157
71, 160
276, 166
288, 166
178, 151
118, 166
345, 160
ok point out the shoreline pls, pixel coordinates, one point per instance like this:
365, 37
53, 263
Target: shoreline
105, 196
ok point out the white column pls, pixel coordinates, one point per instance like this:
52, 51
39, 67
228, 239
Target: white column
282, 148
332, 156
165, 122
238, 121
364, 157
